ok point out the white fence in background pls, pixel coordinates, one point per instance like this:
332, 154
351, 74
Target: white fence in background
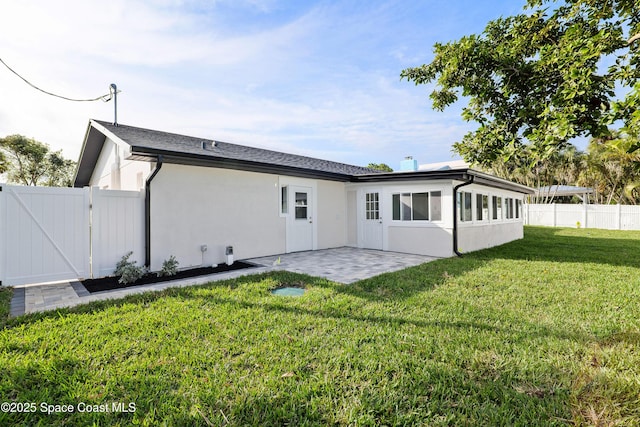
612, 217
49, 234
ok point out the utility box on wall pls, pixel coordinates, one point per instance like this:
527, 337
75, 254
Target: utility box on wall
229, 253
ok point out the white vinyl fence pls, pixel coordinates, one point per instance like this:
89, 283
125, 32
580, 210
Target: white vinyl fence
49, 234
612, 217
117, 227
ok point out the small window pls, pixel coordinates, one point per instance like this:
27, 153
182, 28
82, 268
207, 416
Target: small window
372, 206
497, 207
485, 206
518, 208
420, 206
436, 206
482, 207
395, 202
509, 207
284, 199
301, 205
464, 206
405, 203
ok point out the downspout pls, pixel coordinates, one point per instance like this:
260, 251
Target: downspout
455, 214
147, 212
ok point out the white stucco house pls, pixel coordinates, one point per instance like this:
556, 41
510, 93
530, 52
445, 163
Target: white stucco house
204, 192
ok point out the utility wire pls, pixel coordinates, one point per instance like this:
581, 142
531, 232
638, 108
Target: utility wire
104, 98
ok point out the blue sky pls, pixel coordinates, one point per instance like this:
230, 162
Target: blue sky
318, 78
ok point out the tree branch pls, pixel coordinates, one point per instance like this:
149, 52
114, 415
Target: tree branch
632, 39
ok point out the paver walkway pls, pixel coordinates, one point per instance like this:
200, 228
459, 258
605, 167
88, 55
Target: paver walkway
342, 265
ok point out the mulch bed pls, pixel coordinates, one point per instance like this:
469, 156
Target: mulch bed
111, 283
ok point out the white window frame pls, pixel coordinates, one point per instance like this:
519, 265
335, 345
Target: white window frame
461, 206
486, 212
409, 195
372, 205
283, 200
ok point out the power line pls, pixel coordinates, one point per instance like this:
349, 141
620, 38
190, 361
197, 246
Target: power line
104, 98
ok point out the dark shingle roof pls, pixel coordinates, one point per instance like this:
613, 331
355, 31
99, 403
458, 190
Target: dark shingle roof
152, 142
148, 145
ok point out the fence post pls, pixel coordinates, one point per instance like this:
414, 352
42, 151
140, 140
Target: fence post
619, 216
95, 255
97, 201
87, 229
3, 233
554, 214
585, 214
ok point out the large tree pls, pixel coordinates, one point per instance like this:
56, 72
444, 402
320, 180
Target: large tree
30, 162
542, 77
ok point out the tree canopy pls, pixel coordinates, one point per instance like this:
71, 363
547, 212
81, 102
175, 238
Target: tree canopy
30, 162
541, 78
380, 167
608, 166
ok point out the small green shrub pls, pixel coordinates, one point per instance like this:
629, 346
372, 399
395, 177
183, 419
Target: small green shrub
128, 271
169, 267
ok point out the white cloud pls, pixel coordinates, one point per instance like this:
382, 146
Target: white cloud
321, 81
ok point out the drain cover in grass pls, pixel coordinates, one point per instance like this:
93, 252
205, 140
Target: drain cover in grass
288, 292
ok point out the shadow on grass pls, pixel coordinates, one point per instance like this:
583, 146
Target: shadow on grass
365, 290
416, 392
570, 245
539, 244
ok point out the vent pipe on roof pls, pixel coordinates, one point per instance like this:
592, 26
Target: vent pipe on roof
203, 144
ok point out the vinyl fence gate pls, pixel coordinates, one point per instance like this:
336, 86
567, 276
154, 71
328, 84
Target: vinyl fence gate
46, 232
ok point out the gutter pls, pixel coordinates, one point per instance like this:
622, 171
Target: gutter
455, 213
147, 212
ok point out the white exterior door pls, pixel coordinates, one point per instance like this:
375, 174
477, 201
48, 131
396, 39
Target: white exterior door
300, 220
371, 219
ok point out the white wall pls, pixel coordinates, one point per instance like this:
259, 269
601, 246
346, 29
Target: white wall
352, 218
431, 241
331, 214
475, 235
486, 236
435, 238
418, 237
192, 206
115, 173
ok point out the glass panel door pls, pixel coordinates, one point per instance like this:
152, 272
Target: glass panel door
372, 206
301, 205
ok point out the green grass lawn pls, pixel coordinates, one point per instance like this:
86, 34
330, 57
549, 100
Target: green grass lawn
543, 331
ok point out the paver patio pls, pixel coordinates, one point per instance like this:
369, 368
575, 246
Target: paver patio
343, 265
